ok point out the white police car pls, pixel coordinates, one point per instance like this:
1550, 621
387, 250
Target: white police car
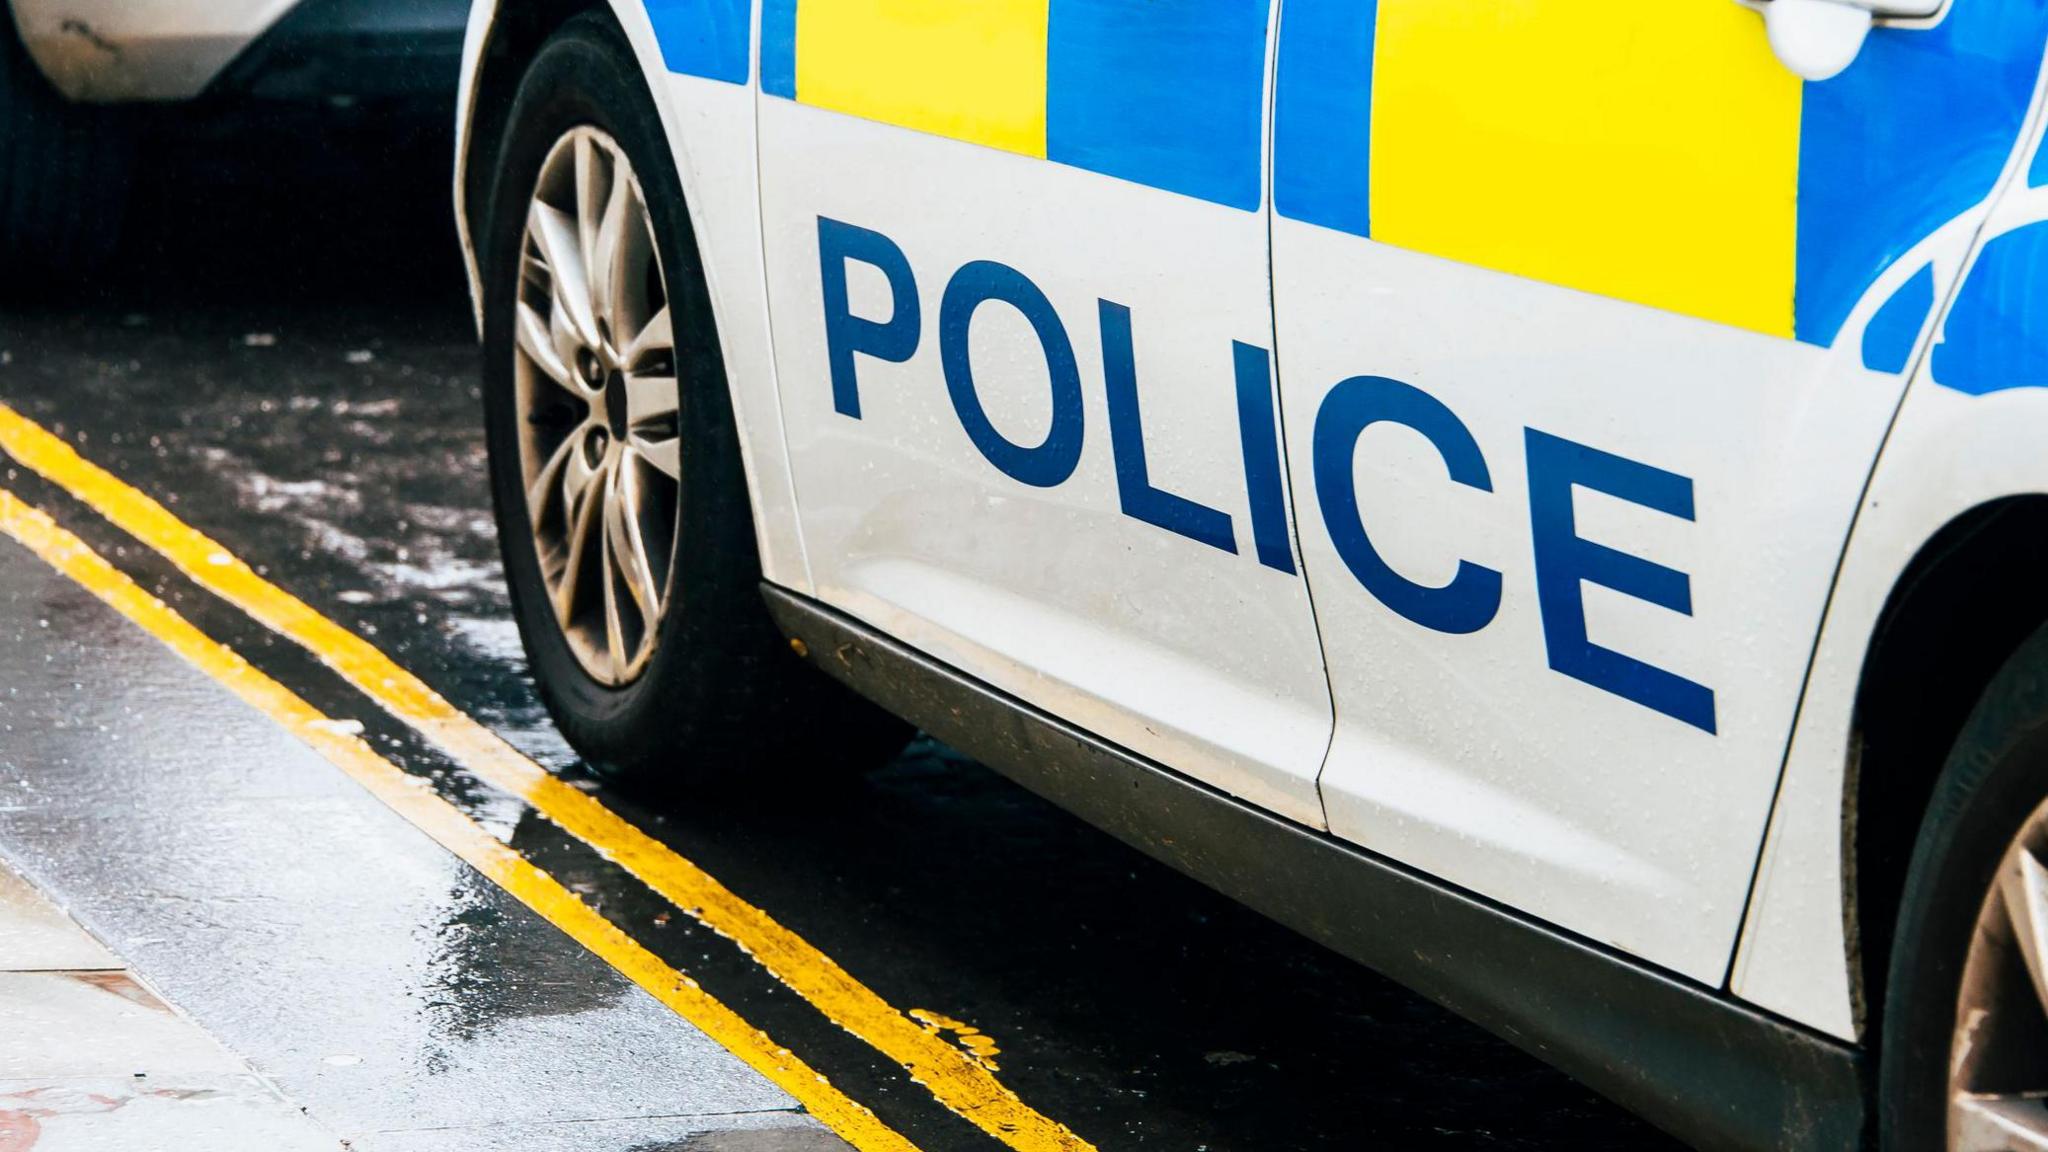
73, 71
1549, 498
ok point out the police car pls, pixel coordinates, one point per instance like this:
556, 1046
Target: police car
73, 72
1547, 497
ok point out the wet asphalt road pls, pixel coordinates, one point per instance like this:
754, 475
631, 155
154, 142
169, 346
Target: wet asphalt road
288, 364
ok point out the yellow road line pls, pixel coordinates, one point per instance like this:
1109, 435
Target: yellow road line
953, 1076
414, 800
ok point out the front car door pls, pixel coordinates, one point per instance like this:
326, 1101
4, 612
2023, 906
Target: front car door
1017, 264
1591, 318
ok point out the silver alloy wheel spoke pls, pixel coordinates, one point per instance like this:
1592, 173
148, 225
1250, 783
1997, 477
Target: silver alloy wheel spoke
540, 347
2023, 884
651, 414
1999, 1124
582, 484
654, 338
582, 522
614, 627
607, 261
592, 181
554, 232
598, 405
629, 547
1998, 1092
540, 494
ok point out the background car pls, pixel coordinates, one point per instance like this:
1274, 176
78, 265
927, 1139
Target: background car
77, 78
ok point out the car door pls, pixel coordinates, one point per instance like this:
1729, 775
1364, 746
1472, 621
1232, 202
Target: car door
1017, 265
1591, 319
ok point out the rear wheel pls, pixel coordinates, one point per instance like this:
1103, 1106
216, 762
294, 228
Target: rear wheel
616, 471
64, 171
1965, 1043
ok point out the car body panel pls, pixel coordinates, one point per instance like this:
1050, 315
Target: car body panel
1694, 1061
1767, 386
1063, 478
1968, 433
1652, 339
711, 129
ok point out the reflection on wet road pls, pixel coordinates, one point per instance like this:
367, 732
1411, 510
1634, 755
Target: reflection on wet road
313, 409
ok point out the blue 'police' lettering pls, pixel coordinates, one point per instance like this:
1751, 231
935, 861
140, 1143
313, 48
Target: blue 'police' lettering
1134, 489
1564, 561
1260, 438
1042, 465
1469, 602
893, 340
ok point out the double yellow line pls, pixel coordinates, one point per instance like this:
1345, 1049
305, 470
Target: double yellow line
952, 1076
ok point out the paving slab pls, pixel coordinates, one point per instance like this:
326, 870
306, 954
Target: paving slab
35, 936
760, 1132
65, 1025
93, 1060
231, 1112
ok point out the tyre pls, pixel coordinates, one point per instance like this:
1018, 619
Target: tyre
615, 462
1964, 1054
64, 172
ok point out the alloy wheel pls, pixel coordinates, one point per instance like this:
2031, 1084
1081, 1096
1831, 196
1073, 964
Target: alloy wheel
597, 405
1998, 1058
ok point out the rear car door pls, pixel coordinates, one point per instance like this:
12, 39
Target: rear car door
1591, 319
1017, 264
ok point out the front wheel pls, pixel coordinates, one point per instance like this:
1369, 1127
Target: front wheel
616, 472
1964, 1060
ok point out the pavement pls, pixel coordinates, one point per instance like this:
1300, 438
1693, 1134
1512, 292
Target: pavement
404, 999
95, 1059
410, 919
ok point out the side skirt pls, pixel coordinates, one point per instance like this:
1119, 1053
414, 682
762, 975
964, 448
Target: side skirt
1703, 1066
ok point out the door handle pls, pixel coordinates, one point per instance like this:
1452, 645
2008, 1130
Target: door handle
1816, 39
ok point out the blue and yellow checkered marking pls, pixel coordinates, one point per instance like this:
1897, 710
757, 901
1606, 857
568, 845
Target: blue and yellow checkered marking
1167, 95
1163, 94
707, 38
1652, 152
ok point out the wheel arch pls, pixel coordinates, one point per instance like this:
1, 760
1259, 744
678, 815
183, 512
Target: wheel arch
1968, 599
709, 126
501, 42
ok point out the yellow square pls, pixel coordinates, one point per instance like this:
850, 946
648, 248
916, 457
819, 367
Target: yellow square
1641, 149
971, 70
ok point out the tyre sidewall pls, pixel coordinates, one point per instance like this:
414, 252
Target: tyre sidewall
1995, 776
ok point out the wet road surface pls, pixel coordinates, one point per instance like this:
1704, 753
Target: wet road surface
417, 1006
289, 367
